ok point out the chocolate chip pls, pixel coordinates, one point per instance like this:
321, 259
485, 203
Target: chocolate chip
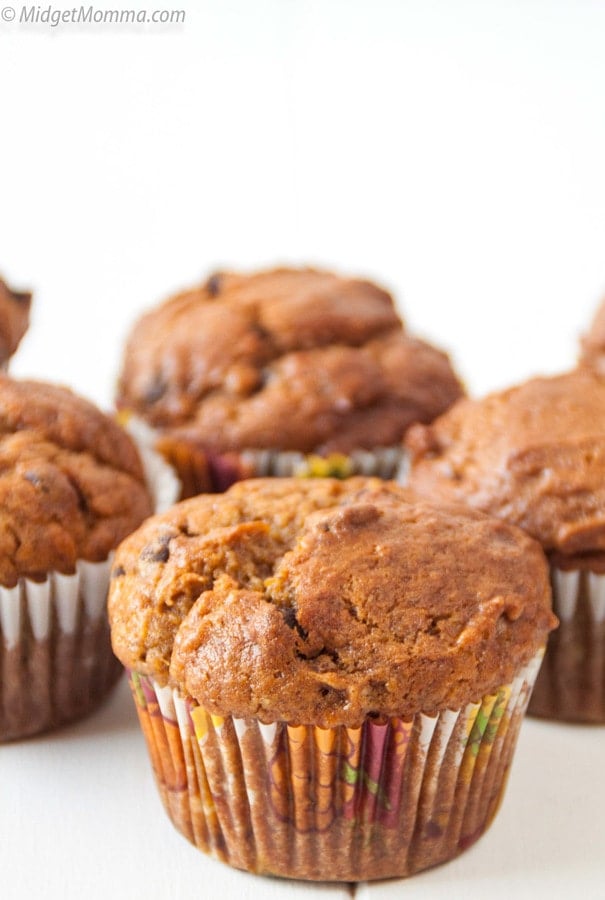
118, 572
289, 614
155, 554
156, 390
264, 377
158, 552
213, 285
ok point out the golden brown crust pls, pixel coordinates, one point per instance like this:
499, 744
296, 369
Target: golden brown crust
533, 455
14, 319
230, 362
71, 482
324, 601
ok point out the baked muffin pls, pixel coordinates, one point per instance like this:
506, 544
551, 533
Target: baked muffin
290, 371
14, 320
330, 675
71, 487
534, 455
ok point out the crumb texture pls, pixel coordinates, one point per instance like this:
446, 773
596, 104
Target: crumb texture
321, 601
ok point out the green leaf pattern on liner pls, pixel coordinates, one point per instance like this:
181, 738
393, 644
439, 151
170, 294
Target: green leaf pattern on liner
486, 725
336, 465
353, 776
135, 681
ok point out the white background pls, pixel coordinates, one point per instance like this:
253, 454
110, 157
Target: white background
453, 150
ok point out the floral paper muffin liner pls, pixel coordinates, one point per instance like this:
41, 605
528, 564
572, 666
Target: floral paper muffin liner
571, 683
386, 799
203, 471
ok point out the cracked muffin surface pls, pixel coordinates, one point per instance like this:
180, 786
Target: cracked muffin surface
14, 319
71, 482
290, 359
324, 601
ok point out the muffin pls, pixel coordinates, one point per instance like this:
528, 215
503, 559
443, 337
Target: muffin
290, 371
71, 487
14, 320
534, 455
330, 675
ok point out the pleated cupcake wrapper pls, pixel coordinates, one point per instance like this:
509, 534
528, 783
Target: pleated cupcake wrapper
343, 804
571, 683
56, 662
383, 462
202, 472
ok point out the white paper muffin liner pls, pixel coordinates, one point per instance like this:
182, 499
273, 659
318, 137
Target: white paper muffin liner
571, 683
344, 804
56, 663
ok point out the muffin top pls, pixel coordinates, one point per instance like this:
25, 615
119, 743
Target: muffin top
71, 482
323, 601
14, 319
593, 342
533, 455
290, 359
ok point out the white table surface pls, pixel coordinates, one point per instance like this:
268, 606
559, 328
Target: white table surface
452, 149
